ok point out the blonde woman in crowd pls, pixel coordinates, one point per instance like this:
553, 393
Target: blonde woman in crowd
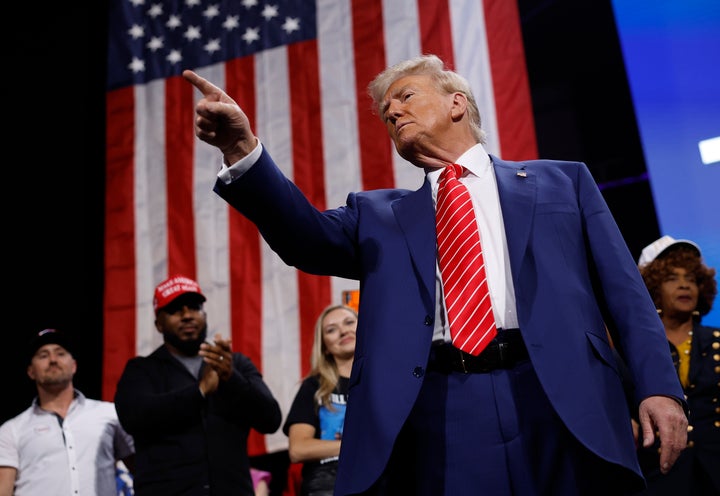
315, 423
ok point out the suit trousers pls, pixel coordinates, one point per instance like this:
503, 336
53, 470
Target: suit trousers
493, 434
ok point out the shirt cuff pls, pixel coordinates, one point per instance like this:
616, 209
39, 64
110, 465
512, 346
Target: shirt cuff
229, 174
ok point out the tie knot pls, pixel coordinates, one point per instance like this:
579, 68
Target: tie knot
452, 171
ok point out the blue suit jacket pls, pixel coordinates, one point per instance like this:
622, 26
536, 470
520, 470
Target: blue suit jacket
559, 232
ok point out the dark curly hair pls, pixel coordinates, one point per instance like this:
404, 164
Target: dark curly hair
657, 271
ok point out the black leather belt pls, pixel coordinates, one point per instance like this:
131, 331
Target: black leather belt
503, 352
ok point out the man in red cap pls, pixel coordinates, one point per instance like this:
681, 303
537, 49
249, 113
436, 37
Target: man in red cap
190, 404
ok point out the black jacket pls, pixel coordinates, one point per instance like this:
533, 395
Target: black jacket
697, 470
186, 444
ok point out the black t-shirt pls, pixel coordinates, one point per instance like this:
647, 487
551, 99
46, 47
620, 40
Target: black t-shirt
325, 421
328, 423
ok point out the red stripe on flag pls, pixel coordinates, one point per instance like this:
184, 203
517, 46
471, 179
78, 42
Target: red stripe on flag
308, 173
179, 143
515, 121
435, 31
245, 287
119, 296
369, 48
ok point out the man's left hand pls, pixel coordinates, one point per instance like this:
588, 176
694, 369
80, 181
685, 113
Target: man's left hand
665, 416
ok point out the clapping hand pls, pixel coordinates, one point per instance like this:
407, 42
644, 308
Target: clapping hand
218, 356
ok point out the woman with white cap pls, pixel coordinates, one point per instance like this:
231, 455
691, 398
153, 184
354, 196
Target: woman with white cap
683, 289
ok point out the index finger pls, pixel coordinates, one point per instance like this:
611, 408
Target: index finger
202, 84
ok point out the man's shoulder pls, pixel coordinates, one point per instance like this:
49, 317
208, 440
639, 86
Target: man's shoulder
97, 408
386, 195
534, 163
157, 355
99, 404
243, 359
18, 419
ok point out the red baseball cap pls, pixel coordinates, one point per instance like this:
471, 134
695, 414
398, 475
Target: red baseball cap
173, 287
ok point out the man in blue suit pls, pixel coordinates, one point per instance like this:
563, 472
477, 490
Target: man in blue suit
542, 410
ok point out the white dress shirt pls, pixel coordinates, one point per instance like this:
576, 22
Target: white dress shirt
75, 458
479, 178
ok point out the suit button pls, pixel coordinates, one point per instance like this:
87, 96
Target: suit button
419, 372
428, 320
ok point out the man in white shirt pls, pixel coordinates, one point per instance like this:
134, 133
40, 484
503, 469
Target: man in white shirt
64, 443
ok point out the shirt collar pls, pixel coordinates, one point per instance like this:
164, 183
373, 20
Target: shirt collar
475, 160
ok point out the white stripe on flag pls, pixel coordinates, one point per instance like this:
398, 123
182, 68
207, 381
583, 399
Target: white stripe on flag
211, 227
339, 113
280, 323
472, 60
150, 208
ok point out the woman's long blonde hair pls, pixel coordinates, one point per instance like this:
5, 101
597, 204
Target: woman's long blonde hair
322, 362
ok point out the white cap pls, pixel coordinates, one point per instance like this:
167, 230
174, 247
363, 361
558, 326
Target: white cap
658, 247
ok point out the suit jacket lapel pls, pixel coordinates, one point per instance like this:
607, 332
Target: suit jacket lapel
516, 188
416, 216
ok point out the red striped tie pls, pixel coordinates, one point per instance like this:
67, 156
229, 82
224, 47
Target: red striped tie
467, 300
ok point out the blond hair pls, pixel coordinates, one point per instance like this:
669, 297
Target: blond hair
444, 79
322, 362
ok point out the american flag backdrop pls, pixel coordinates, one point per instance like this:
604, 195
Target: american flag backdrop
299, 69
